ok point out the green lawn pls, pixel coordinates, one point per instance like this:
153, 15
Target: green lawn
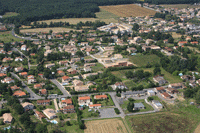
10, 14
98, 67
104, 103
147, 106
169, 77
143, 60
87, 114
7, 37
103, 14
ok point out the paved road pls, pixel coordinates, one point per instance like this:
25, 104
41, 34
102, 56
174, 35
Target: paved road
15, 49
117, 105
56, 105
24, 38
62, 89
33, 96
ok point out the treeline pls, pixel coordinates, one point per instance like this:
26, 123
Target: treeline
50, 9
171, 1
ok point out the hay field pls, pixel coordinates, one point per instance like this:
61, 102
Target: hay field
105, 126
54, 29
128, 10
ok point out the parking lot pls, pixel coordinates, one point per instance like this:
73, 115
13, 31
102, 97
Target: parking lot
108, 113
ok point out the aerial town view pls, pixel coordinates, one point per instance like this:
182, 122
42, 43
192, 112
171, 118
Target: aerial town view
86, 66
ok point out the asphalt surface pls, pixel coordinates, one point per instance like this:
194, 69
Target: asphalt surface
33, 96
62, 89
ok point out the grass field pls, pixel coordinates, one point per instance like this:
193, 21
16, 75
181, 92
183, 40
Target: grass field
103, 15
147, 107
128, 10
10, 14
143, 60
98, 67
54, 29
105, 126
179, 6
176, 35
7, 37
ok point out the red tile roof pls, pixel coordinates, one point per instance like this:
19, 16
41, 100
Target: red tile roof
95, 105
84, 98
67, 101
100, 96
19, 93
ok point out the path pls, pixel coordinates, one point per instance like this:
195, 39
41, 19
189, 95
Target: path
56, 105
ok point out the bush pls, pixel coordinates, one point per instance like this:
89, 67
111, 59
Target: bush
68, 123
117, 111
118, 95
150, 98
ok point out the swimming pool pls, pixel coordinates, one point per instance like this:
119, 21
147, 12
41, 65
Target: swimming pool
54, 122
7, 128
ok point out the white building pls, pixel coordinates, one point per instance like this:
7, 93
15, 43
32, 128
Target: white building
50, 113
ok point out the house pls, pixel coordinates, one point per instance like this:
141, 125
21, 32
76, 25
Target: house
87, 69
88, 75
42, 91
157, 104
77, 82
24, 74
66, 79
23, 47
119, 85
95, 106
66, 102
19, 69
63, 62
31, 79
176, 86
37, 86
186, 77
7, 80
50, 65
43, 102
14, 88
194, 43
7, 118
159, 79
27, 106
84, 44
68, 109
171, 91
19, 93
160, 89
150, 93
7, 59
148, 41
131, 50
138, 106
84, 101
81, 88
100, 97
165, 95
61, 73
137, 39
18, 59
2, 75
50, 113
39, 115
181, 43
71, 71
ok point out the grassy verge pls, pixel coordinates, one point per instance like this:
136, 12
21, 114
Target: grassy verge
10, 14
7, 37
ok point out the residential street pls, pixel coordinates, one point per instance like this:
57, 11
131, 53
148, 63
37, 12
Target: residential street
33, 96
62, 89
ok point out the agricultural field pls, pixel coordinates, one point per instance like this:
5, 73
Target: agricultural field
10, 14
54, 29
103, 15
181, 118
7, 37
142, 60
105, 126
128, 10
179, 6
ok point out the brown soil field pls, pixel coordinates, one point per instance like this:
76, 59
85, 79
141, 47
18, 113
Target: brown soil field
57, 29
105, 126
128, 10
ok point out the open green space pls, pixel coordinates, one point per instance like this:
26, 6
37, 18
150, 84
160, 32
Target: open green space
10, 14
142, 60
147, 106
179, 118
105, 102
89, 114
7, 37
98, 67
103, 14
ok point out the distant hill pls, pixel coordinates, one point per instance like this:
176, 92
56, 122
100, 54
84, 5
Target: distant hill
33, 10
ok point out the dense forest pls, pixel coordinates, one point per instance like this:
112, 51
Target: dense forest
33, 10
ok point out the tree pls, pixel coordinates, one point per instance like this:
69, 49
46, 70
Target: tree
68, 123
130, 106
157, 71
171, 40
150, 98
79, 53
197, 97
135, 27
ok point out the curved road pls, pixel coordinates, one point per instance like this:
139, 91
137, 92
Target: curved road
25, 38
